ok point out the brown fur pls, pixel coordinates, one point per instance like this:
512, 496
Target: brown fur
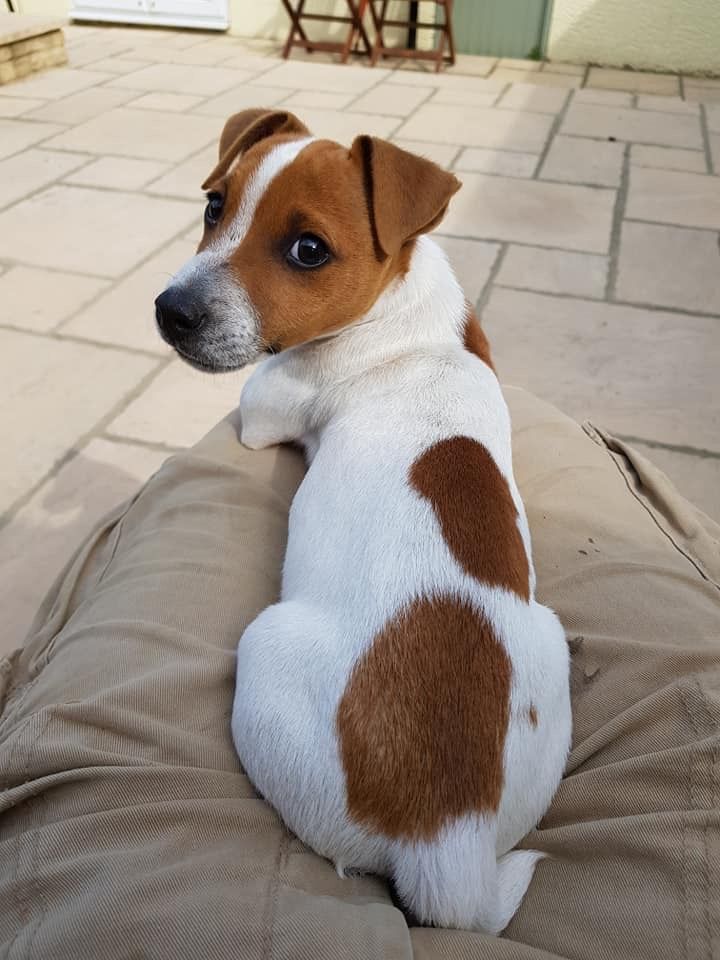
475, 340
533, 717
334, 194
326, 186
243, 130
475, 510
406, 194
423, 720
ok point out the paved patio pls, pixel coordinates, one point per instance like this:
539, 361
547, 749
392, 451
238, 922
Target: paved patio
587, 232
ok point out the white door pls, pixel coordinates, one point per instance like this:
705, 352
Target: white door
205, 14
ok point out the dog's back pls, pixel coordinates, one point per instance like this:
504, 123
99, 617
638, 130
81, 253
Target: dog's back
421, 689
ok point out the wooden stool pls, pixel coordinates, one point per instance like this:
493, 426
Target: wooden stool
445, 30
297, 13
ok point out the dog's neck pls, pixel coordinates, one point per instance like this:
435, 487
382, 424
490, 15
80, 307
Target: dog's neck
423, 311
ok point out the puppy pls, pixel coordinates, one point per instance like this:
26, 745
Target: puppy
405, 706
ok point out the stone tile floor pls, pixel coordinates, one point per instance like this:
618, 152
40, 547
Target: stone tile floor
587, 232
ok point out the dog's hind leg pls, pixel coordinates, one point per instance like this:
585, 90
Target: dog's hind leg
290, 675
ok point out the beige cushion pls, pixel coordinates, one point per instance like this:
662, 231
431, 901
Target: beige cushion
127, 829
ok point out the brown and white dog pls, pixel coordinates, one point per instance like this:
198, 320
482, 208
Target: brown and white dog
405, 706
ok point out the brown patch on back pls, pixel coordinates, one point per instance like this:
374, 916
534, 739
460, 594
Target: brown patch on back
474, 339
423, 720
475, 510
533, 717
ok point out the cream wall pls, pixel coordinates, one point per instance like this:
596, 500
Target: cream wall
44, 8
645, 34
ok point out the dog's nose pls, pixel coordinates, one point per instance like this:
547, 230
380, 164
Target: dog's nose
177, 312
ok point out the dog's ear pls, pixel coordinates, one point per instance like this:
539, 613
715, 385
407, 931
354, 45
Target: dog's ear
244, 129
406, 194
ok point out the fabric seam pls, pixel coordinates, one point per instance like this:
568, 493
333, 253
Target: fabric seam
591, 432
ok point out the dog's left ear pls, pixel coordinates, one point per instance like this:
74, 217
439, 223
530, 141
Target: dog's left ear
407, 195
248, 127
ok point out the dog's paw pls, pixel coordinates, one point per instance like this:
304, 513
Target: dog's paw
255, 440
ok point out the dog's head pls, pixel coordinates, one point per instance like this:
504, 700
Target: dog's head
301, 237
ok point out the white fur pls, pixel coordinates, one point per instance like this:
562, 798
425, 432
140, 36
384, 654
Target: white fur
362, 544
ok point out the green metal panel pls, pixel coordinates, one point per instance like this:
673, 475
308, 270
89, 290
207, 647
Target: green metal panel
500, 28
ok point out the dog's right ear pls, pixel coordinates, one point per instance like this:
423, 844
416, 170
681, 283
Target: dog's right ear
244, 129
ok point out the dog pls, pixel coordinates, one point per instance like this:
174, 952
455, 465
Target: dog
405, 706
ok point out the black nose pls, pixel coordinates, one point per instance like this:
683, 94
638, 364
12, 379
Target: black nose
177, 312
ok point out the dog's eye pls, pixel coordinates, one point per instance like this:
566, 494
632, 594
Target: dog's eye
214, 207
308, 251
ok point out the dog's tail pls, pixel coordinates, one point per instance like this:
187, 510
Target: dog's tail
457, 880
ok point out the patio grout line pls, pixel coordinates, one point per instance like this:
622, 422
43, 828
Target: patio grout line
355, 99
702, 453
641, 143
552, 133
705, 131
54, 334
103, 189
487, 289
124, 440
631, 304
616, 226
456, 156
79, 444
634, 304
666, 223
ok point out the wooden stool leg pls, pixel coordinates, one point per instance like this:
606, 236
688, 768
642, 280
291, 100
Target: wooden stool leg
449, 27
379, 44
356, 14
295, 28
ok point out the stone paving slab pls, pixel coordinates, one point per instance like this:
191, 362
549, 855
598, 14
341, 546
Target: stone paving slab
117, 173
478, 127
24, 173
586, 232
81, 106
472, 260
554, 271
667, 158
532, 211
503, 162
645, 373
124, 316
668, 196
577, 160
636, 126
635, 81
14, 106
139, 133
103, 225
37, 299
17, 135
58, 392
174, 78
179, 406
529, 96
54, 84
670, 267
